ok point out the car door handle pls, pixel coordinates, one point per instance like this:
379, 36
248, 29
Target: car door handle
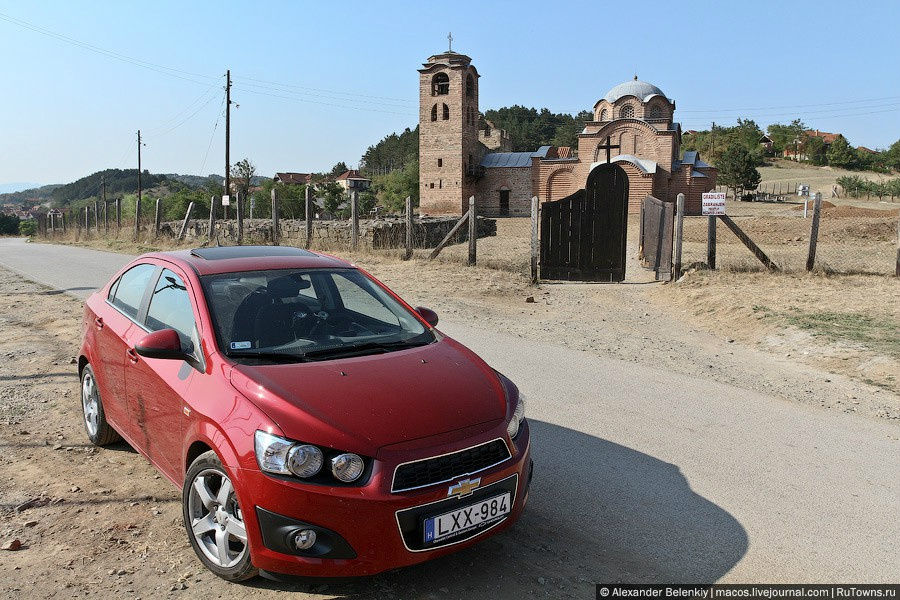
99, 322
132, 355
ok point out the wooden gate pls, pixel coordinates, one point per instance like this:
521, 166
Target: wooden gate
657, 224
583, 235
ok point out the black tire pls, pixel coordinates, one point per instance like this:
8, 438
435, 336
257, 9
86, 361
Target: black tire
103, 434
205, 465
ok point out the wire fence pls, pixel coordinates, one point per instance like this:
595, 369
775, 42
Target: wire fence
850, 240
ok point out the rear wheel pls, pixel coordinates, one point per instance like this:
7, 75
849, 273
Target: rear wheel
214, 521
99, 431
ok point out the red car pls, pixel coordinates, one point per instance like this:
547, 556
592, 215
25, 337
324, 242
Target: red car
316, 424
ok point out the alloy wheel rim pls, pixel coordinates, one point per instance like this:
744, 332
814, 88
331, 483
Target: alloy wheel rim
216, 522
90, 402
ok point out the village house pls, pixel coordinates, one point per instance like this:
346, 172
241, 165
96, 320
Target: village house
462, 155
352, 181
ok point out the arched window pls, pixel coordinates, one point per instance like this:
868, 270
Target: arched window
655, 112
604, 114
434, 113
440, 85
627, 112
470, 86
446, 112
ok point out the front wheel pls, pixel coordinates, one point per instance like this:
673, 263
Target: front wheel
214, 521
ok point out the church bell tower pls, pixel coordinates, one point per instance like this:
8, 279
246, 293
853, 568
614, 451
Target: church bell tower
449, 150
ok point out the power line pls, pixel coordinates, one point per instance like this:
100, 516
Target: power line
164, 124
720, 110
326, 91
171, 71
294, 99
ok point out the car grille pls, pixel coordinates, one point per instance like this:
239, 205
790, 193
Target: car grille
440, 469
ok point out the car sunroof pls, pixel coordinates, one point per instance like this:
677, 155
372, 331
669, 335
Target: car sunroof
225, 252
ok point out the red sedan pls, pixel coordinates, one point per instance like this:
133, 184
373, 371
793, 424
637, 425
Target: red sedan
316, 424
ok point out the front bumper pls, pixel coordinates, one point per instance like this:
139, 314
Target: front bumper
367, 529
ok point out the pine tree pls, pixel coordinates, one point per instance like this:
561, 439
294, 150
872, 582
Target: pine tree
737, 170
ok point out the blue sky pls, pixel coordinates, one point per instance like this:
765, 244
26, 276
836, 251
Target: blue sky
318, 82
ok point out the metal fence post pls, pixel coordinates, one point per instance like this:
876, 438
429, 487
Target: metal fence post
274, 218
473, 231
407, 254
157, 218
679, 233
240, 218
711, 242
814, 233
307, 209
354, 220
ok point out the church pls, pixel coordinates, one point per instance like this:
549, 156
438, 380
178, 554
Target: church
462, 155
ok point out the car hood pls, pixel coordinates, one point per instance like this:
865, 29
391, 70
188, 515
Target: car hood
364, 403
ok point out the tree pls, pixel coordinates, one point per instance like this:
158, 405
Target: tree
784, 136
815, 151
841, 154
242, 174
892, 156
737, 170
9, 224
393, 188
27, 227
338, 168
333, 196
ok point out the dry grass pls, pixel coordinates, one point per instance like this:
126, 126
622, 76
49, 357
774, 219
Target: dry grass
820, 179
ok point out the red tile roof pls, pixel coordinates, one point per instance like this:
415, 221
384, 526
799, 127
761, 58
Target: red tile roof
351, 174
293, 177
826, 137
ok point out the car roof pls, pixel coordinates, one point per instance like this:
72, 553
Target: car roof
231, 259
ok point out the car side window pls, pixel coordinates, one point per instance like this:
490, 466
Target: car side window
129, 290
170, 308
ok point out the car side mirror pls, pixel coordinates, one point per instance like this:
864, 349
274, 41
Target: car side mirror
429, 315
164, 343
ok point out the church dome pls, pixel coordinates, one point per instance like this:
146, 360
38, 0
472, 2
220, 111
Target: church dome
640, 89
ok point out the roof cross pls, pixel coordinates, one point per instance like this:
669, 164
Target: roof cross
450, 42
608, 146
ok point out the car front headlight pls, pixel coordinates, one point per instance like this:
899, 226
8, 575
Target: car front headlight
272, 452
347, 467
515, 423
282, 456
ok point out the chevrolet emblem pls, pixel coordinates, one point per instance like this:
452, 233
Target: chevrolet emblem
464, 488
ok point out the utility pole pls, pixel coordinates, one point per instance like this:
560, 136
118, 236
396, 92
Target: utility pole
227, 135
137, 205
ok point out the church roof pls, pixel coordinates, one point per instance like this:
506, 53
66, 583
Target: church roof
637, 88
512, 159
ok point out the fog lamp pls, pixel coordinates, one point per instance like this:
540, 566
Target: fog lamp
304, 539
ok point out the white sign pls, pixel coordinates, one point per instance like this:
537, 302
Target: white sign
714, 203
226, 200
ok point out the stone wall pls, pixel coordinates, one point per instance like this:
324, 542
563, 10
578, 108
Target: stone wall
373, 234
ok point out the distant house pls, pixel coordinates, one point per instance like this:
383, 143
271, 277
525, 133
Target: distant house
795, 152
352, 181
866, 150
767, 143
293, 178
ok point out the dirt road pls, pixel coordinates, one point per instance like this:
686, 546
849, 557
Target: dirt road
642, 473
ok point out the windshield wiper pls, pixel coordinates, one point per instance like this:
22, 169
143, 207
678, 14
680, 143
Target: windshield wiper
273, 356
360, 349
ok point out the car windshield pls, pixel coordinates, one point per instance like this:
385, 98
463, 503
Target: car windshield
294, 315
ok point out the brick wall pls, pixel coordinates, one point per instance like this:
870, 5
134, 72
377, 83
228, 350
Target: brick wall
515, 179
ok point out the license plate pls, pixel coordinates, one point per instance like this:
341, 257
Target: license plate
466, 518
